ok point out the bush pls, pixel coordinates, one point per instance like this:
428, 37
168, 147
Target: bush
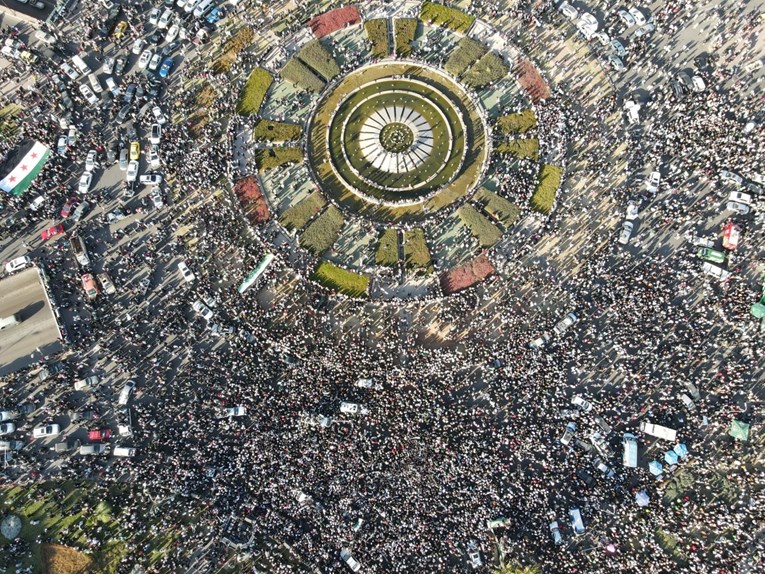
299, 214
318, 58
501, 209
532, 81
489, 69
387, 248
467, 53
301, 75
447, 17
254, 92
518, 123
416, 252
267, 130
522, 148
543, 198
467, 275
405, 30
377, 30
323, 231
267, 159
342, 280
481, 228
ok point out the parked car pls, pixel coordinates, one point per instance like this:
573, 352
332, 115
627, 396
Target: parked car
166, 68
652, 185
106, 283
99, 434
18, 263
203, 310
150, 179
85, 180
563, 325
52, 232
579, 402
188, 276
45, 431
89, 286
625, 233
132, 171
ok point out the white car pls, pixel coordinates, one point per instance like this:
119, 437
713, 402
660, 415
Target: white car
48, 430
132, 171
715, 271
474, 555
652, 185
90, 161
127, 390
587, 25
349, 560
156, 134
164, 20
352, 409
633, 208
137, 46
154, 156
18, 263
154, 62
156, 198
203, 310
540, 341
88, 94
236, 412
145, 58
626, 18
602, 38
643, 30
154, 16
633, 111
616, 63
637, 15
367, 384
563, 325
108, 67
619, 48
113, 87
579, 402
568, 11
7, 415
69, 71
698, 84
740, 208
7, 428
188, 276
158, 115
45, 38
150, 179
740, 197
85, 180
730, 176
172, 33
568, 434
625, 233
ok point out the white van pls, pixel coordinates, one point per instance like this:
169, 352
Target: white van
658, 431
576, 521
715, 271
629, 457
80, 64
202, 7
125, 393
11, 321
123, 451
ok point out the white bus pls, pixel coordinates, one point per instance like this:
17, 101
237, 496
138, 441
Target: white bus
658, 431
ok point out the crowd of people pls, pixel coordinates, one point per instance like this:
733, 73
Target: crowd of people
451, 433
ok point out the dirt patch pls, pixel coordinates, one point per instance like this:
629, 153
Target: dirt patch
59, 559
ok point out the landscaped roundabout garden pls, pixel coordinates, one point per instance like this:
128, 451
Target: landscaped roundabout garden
400, 166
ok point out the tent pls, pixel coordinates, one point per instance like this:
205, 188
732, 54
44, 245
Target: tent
671, 457
758, 310
739, 430
655, 467
642, 498
681, 450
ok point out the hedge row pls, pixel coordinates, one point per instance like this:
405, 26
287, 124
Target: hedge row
517, 123
323, 231
267, 159
387, 248
340, 279
446, 17
481, 228
254, 92
416, 252
467, 53
404, 30
543, 198
490, 68
377, 30
268, 130
298, 215
319, 59
501, 209
301, 75
521, 148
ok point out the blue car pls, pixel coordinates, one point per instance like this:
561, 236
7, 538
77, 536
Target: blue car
167, 65
215, 15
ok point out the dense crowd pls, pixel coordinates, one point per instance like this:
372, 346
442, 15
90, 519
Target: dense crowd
451, 435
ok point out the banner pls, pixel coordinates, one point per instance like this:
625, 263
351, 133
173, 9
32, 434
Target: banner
26, 170
257, 272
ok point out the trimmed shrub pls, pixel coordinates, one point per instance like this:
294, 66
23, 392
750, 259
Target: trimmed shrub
254, 92
481, 228
517, 123
377, 30
521, 148
404, 30
416, 252
490, 68
387, 248
543, 198
323, 231
296, 72
532, 81
267, 130
267, 159
342, 280
318, 58
467, 53
467, 275
501, 209
447, 17
299, 214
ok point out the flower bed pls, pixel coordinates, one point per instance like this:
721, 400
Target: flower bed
489, 69
416, 252
482, 229
334, 20
254, 92
253, 202
521, 148
517, 123
501, 209
299, 214
319, 59
339, 279
466, 275
267, 130
532, 81
387, 248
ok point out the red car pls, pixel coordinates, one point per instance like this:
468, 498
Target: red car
52, 232
99, 434
68, 207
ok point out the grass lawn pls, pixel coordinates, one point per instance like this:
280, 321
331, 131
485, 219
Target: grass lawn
517, 123
267, 159
377, 30
481, 228
416, 252
296, 72
527, 148
298, 215
501, 209
254, 92
543, 198
405, 30
339, 279
447, 17
269, 130
387, 248
323, 231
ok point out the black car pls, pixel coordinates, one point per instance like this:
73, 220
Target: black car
169, 3
169, 49
123, 113
130, 93
111, 155
156, 37
154, 89
119, 64
84, 415
585, 477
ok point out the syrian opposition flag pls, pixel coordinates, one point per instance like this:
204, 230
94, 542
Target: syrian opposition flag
26, 170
